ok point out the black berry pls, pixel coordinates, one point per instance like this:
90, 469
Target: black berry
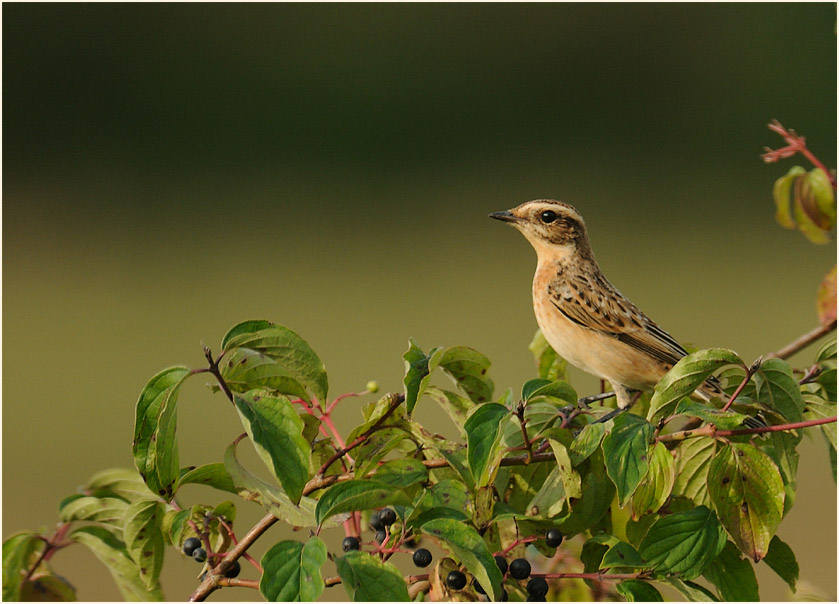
380, 536
520, 568
477, 587
387, 516
349, 544
199, 554
233, 571
538, 587
374, 522
191, 544
456, 580
422, 557
553, 538
501, 561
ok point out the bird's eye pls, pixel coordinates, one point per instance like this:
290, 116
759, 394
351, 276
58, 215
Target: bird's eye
548, 216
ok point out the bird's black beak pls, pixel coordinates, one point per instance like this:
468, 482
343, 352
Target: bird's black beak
506, 216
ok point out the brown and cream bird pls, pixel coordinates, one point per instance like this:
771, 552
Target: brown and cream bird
584, 318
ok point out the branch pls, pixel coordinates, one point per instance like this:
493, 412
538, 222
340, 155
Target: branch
213, 368
749, 373
711, 430
805, 340
523, 424
397, 400
214, 576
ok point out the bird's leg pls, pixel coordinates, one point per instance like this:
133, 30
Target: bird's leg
626, 398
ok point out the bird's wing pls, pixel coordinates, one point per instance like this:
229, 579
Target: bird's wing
592, 302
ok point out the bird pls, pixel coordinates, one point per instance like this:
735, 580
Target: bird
584, 318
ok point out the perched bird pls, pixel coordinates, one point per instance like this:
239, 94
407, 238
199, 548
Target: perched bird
584, 318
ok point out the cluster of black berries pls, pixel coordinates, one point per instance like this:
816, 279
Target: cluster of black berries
537, 587
192, 547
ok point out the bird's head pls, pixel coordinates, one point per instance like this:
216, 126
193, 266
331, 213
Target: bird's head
553, 228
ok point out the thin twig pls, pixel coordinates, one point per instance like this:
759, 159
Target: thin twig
711, 430
214, 369
523, 425
749, 373
805, 340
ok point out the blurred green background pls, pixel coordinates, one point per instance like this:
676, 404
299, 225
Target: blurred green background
170, 170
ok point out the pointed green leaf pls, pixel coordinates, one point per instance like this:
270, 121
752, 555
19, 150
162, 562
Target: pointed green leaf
367, 579
539, 417
549, 364
155, 447
276, 432
693, 592
559, 391
532, 386
455, 406
781, 194
119, 482
550, 499
112, 553
655, 488
684, 543
47, 587
271, 497
401, 473
483, 439
291, 353
693, 458
211, 474
354, 495
598, 493
733, 576
144, 539
20, 552
827, 351
468, 368
416, 373
626, 451
570, 478
746, 489
812, 224
246, 369
685, 376
781, 559
586, 442
724, 420
467, 546
778, 388
635, 590
621, 554
374, 449
291, 571
110, 510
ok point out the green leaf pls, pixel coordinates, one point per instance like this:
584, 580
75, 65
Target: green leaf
155, 447
733, 576
538, 415
586, 442
550, 499
684, 543
367, 579
827, 351
724, 420
598, 493
635, 590
467, 546
416, 373
96, 509
549, 364
355, 495
483, 439
626, 451
276, 432
245, 369
693, 459
455, 406
818, 408
746, 489
532, 386
621, 554
685, 377
468, 368
286, 348
781, 559
271, 497
401, 473
211, 474
376, 447
47, 587
823, 195
778, 388
655, 488
119, 482
781, 194
570, 478
814, 225
693, 592
20, 551
112, 553
559, 391
144, 539
291, 571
